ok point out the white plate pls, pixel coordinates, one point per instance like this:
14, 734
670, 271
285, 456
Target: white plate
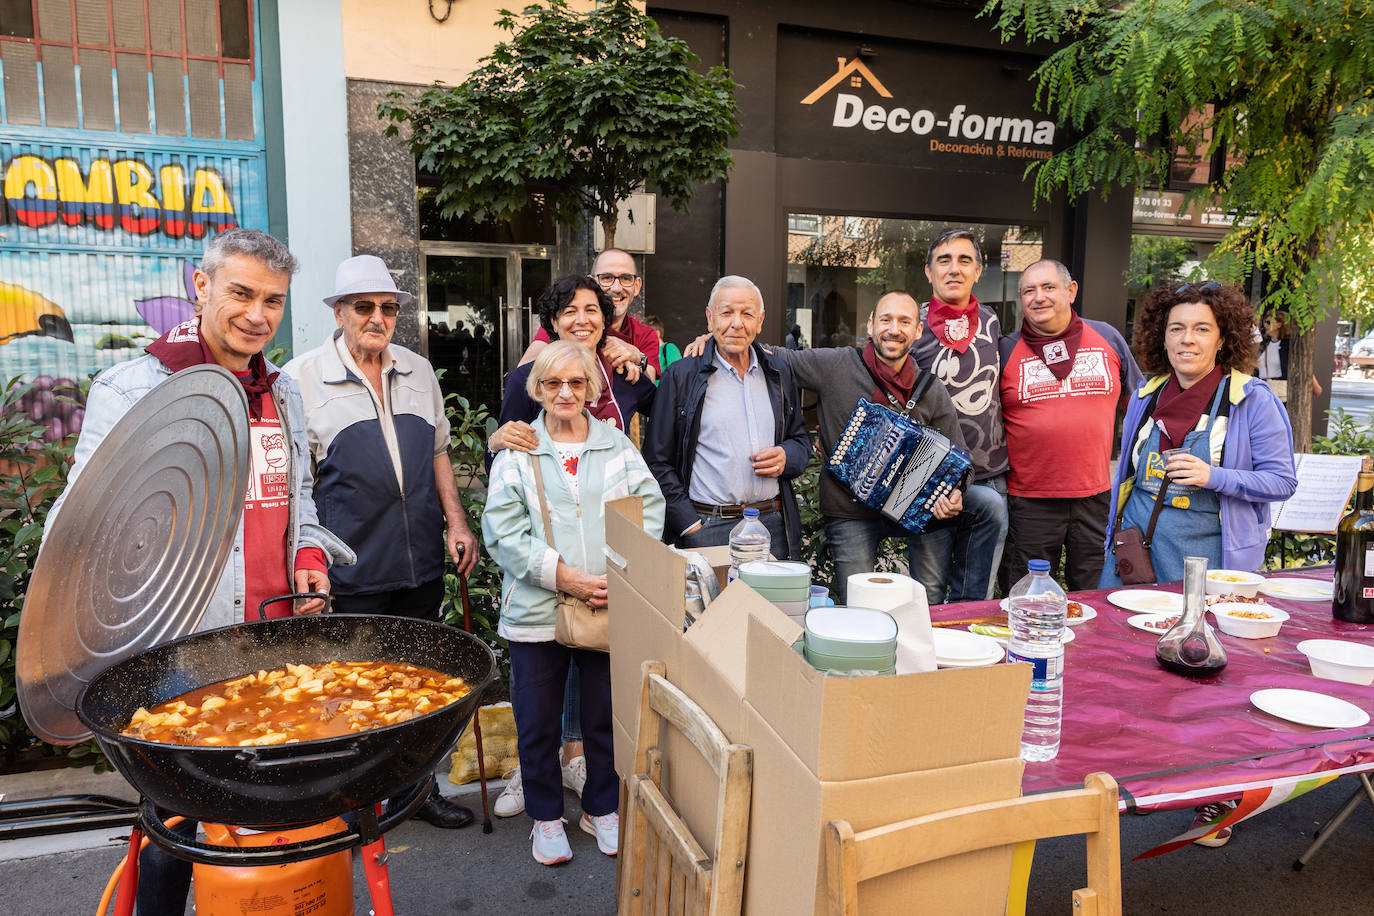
1088, 614
1147, 601
978, 663
1298, 589
1139, 621
1307, 707
961, 647
1067, 638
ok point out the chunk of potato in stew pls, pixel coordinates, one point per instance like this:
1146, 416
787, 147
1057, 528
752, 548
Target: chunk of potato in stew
297, 703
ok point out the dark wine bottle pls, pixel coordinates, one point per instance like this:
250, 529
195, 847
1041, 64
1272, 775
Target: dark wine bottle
1354, 596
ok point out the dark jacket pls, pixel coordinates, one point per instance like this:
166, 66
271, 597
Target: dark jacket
670, 447
839, 377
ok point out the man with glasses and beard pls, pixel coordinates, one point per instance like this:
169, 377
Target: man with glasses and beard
883, 372
628, 340
379, 448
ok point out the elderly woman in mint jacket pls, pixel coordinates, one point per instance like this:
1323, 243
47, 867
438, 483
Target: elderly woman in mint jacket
1206, 429
584, 463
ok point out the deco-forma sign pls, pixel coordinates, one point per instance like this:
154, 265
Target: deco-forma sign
907, 104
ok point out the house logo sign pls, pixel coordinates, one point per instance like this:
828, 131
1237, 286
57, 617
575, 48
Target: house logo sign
958, 131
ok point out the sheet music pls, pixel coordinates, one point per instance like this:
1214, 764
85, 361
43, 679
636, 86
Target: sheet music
1325, 483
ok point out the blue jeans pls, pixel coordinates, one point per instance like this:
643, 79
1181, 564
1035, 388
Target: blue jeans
854, 547
971, 553
715, 532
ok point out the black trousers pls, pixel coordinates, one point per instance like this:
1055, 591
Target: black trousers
1043, 529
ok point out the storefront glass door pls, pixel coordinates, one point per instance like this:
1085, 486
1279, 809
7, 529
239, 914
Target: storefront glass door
476, 313
838, 266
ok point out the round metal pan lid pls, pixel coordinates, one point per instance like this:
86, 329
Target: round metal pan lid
136, 551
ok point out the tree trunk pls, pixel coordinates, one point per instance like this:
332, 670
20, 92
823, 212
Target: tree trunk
608, 223
1302, 362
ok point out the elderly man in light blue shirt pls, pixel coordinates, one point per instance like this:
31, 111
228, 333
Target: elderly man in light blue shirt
726, 433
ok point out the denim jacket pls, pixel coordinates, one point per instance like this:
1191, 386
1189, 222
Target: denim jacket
116, 390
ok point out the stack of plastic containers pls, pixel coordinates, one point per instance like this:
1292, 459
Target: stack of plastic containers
784, 583
850, 640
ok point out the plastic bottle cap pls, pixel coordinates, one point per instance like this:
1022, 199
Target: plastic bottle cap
754, 513
1038, 566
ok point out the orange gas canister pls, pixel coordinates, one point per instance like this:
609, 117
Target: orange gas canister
315, 887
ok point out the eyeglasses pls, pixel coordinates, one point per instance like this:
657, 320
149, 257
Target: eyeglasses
365, 307
555, 385
606, 281
1198, 287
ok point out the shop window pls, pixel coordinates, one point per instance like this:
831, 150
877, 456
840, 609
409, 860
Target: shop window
839, 265
181, 68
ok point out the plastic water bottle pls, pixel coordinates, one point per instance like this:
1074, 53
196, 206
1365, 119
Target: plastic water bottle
749, 540
1037, 608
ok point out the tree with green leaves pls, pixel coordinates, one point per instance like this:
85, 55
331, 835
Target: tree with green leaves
579, 107
1278, 90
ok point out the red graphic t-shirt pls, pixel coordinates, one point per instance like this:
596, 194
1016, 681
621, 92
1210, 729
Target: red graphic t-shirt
1059, 434
266, 514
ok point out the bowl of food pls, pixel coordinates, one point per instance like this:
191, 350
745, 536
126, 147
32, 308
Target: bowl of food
1248, 621
1234, 582
1339, 660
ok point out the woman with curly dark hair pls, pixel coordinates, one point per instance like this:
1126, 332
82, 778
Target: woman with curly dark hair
576, 308
1214, 437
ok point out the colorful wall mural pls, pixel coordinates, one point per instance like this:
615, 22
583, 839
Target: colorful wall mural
98, 245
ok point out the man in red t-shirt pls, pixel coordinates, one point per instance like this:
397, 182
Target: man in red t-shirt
628, 340
1063, 378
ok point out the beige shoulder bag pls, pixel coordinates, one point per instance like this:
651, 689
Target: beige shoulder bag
579, 626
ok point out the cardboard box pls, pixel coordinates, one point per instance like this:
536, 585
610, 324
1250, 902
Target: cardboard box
871, 750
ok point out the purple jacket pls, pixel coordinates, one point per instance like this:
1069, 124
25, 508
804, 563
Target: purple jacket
1256, 468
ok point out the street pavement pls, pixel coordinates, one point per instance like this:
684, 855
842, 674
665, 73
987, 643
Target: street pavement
465, 871
1354, 394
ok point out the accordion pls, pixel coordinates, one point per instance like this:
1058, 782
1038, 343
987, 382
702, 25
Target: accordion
895, 465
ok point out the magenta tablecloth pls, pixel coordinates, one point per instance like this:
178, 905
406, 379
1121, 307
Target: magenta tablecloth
1174, 742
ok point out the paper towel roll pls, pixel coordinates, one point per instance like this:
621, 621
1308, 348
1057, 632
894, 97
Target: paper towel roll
881, 591
905, 599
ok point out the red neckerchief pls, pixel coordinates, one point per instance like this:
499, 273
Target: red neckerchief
1057, 351
891, 384
1178, 409
606, 407
953, 325
182, 347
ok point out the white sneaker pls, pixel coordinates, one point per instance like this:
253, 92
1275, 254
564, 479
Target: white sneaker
575, 774
511, 801
606, 829
550, 843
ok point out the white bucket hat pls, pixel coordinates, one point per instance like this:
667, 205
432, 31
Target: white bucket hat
365, 273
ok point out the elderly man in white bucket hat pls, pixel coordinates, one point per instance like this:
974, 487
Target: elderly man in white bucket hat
379, 446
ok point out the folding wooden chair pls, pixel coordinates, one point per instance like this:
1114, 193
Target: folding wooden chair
852, 857
663, 867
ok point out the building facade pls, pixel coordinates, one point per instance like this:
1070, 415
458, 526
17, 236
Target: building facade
131, 129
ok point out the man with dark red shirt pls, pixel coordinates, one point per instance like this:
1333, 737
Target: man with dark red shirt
628, 340
1063, 378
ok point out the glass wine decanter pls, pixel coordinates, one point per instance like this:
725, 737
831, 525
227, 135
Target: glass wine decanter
1190, 647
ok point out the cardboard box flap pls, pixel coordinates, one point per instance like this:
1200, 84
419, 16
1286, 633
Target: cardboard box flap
721, 633
648, 565
856, 728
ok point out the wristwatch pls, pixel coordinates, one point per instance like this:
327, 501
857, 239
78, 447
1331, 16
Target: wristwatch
643, 362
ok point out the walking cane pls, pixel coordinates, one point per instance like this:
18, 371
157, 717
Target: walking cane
476, 725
